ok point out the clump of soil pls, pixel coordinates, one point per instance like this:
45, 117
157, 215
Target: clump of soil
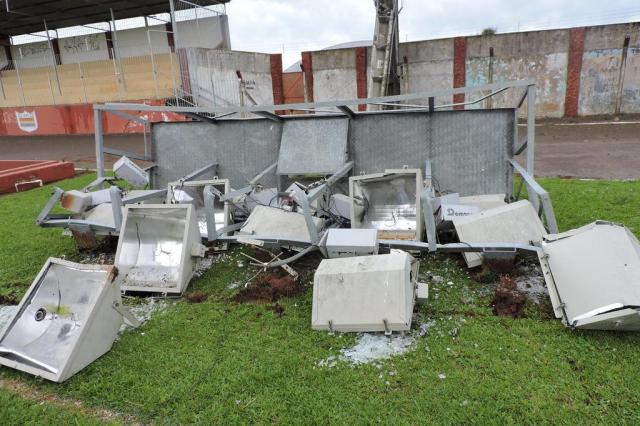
269, 287
483, 274
278, 309
196, 297
508, 300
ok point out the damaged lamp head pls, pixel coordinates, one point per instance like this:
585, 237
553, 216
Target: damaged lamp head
157, 246
68, 318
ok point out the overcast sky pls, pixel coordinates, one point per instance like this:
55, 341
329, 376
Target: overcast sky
292, 26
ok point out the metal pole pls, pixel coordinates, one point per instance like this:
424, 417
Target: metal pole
531, 128
53, 56
531, 142
84, 88
174, 27
116, 50
24, 101
154, 71
53, 98
97, 118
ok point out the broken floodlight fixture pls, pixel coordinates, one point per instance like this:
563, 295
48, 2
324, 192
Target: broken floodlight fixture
205, 196
593, 277
366, 293
129, 171
69, 317
157, 248
388, 202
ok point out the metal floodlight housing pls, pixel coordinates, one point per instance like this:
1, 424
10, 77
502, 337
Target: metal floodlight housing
593, 277
366, 293
388, 202
126, 169
157, 246
69, 317
195, 190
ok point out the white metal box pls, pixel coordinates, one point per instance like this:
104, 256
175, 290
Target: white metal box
513, 223
128, 170
157, 246
351, 242
366, 293
67, 319
451, 212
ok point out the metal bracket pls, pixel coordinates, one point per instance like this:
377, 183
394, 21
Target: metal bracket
387, 330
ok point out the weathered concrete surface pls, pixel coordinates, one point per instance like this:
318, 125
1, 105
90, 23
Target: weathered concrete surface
214, 79
601, 63
607, 150
539, 55
589, 64
429, 68
334, 74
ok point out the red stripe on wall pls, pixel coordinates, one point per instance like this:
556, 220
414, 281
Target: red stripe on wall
74, 120
276, 80
361, 75
459, 68
307, 67
574, 69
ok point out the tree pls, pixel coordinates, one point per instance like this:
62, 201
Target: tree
489, 31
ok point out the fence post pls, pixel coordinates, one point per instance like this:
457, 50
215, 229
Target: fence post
24, 101
53, 58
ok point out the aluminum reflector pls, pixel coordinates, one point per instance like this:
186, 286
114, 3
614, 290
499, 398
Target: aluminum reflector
389, 203
66, 320
157, 246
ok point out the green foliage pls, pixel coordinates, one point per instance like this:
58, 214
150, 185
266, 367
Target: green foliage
223, 362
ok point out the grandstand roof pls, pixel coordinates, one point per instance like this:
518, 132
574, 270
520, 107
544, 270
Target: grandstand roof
25, 16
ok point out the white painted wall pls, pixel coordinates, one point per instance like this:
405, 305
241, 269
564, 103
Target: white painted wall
211, 33
208, 33
214, 80
32, 55
85, 48
134, 42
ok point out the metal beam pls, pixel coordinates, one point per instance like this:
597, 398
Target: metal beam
121, 153
347, 111
130, 117
269, 115
323, 104
97, 126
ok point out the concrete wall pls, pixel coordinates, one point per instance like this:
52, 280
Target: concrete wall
601, 64
538, 55
334, 74
429, 67
214, 79
577, 71
209, 33
86, 48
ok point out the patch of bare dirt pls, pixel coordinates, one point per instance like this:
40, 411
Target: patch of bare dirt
196, 297
35, 395
507, 299
269, 287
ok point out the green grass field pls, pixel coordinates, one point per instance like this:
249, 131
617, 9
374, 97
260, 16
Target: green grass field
223, 362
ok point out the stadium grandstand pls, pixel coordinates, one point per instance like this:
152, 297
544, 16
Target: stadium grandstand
86, 51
